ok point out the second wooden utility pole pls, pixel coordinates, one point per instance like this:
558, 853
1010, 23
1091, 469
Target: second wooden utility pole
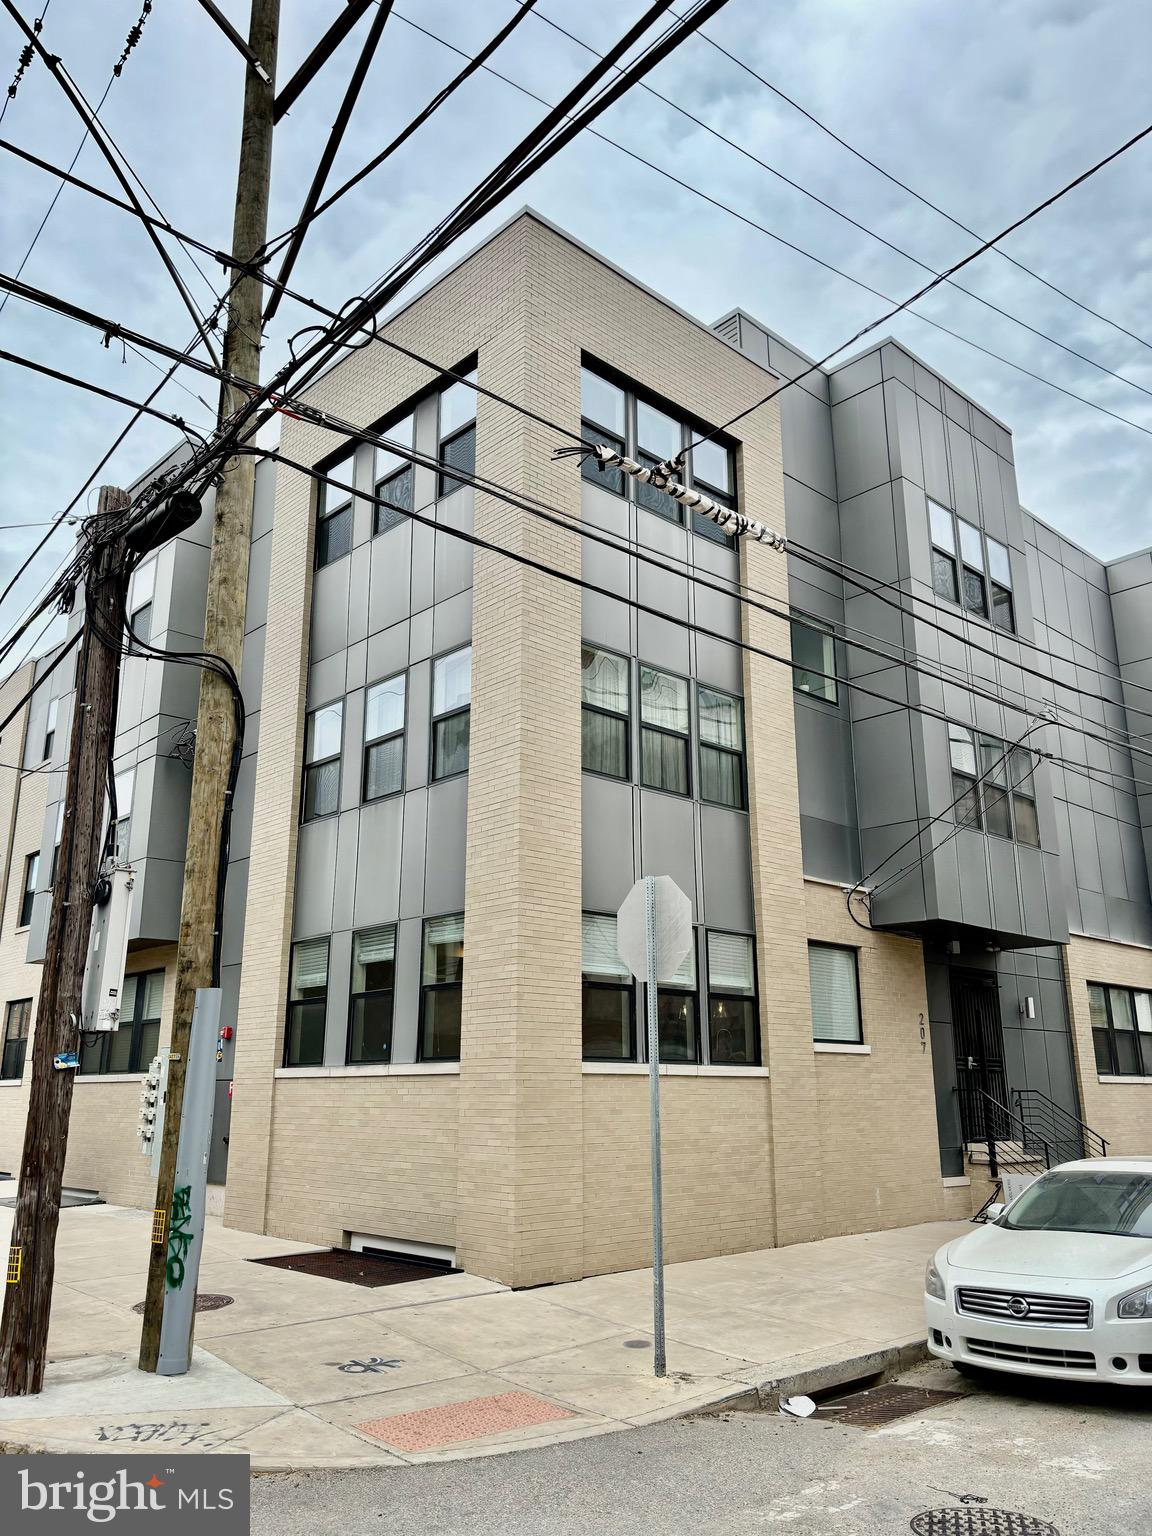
224, 637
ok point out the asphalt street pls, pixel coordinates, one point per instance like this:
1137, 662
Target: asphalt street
1074, 1457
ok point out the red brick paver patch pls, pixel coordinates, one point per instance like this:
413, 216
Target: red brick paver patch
429, 1428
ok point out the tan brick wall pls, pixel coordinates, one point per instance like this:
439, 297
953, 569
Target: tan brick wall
1120, 1111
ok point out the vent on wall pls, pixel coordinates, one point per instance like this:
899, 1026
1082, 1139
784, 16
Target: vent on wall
729, 328
399, 1248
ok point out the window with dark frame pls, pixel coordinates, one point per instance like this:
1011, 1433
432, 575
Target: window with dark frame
1121, 1030
50, 727
394, 479
664, 731
659, 438
965, 791
28, 894
720, 722
1022, 766
994, 789
451, 712
1000, 584
676, 1013
442, 988
323, 744
457, 437
141, 593
814, 662
994, 794
945, 581
712, 473
307, 1004
17, 1019
604, 417
605, 712
131, 1046
608, 995
834, 982
384, 738
733, 1016
370, 1004
334, 516
970, 568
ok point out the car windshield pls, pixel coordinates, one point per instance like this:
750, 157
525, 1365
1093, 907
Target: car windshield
1084, 1200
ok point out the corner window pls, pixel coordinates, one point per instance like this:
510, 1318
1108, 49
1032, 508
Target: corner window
457, 434
733, 1023
307, 1004
1000, 583
608, 996
451, 713
664, 731
50, 727
981, 580
658, 439
442, 989
604, 712
393, 479
384, 738
131, 1046
676, 1013
140, 595
323, 736
814, 662
17, 1019
943, 531
334, 516
713, 474
835, 992
998, 796
28, 894
1121, 1030
721, 723
370, 1009
962, 751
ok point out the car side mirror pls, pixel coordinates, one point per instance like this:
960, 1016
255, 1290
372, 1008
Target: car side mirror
994, 1212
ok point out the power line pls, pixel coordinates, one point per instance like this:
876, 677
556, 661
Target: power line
26, 57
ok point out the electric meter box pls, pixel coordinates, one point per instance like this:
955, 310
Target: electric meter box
107, 954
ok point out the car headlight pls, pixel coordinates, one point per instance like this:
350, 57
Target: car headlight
1136, 1303
934, 1285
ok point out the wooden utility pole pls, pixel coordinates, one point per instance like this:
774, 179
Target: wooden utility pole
223, 636
32, 1260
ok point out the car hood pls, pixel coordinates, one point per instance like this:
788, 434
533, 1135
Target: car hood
1055, 1255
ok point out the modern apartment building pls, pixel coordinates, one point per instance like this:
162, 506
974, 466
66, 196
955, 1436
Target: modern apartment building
892, 769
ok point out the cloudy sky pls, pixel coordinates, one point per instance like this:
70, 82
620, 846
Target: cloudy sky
983, 108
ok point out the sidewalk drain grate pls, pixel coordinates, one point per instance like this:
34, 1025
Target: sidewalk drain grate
880, 1405
206, 1301
980, 1522
356, 1268
427, 1429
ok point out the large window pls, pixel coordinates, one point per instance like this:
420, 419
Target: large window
835, 993
609, 998
664, 731
720, 719
676, 1013
50, 727
323, 737
370, 1011
814, 662
623, 420
457, 434
995, 791
307, 1004
605, 711
131, 1046
28, 893
17, 1018
451, 712
442, 990
393, 479
384, 738
733, 1026
971, 568
1121, 1030
334, 516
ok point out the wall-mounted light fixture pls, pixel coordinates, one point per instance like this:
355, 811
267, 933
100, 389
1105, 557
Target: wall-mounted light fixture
1028, 1008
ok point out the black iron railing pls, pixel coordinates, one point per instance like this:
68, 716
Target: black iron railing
1008, 1138
1056, 1126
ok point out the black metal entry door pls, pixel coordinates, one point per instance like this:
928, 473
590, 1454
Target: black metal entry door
979, 1041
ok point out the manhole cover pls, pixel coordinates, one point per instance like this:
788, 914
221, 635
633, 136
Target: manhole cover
206, 1301
880, 1405
356, 1268
980, 1522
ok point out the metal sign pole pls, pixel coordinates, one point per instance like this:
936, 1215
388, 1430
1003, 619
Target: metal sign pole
660, 1365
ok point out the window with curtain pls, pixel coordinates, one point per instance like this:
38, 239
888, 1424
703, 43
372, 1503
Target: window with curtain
605, 707
965, 791
664, 730
442, 989
370, 1008
457, 434
942, 527
720, 718
307, 1004
131, 1046
676, 1013
17, 1020
28, 894
1121, 1030
835, 992
393, 479
733, 1024
814, 662
334, 516
384, 738
323, 740
451, 712
608, 995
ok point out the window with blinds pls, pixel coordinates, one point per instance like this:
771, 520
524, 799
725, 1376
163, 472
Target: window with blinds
676, 1013
835, 992
604, 712
370, 1007
442, 990
608, 995
131, 1046
307, 1004
733, 1024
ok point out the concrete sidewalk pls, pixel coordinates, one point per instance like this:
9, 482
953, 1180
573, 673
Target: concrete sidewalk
305, 1372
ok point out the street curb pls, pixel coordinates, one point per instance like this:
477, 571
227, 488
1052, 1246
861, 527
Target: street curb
764, 1396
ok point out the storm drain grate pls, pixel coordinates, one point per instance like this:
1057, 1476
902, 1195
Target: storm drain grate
880, 1405
980, 1522
206, 1301
68, 1199
356, 1268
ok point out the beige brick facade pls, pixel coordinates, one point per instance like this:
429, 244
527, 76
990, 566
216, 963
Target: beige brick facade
1119, 1109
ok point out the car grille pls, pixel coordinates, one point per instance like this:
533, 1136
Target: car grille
1044, 1311
1027, 1354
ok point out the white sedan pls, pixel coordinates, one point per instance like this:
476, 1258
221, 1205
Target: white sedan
1058, 1283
